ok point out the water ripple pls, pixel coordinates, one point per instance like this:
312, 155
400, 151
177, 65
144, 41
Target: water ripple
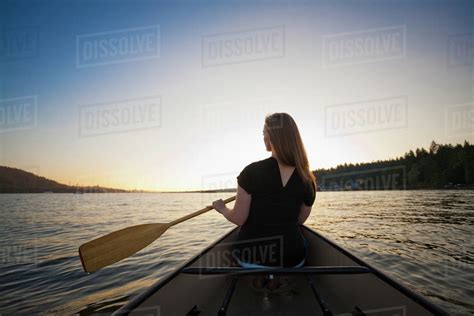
422, 238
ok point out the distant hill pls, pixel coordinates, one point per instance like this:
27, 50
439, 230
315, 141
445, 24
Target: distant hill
14, 180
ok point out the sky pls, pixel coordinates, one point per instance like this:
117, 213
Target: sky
172, 95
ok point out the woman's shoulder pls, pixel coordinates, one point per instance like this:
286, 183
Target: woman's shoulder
257, 165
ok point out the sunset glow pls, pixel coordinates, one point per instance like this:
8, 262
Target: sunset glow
171, 97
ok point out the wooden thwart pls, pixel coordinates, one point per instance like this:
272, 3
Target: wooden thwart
277, 270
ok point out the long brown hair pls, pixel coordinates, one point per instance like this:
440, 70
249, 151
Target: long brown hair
288, 145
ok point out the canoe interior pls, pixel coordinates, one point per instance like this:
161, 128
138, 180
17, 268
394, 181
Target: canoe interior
181, 293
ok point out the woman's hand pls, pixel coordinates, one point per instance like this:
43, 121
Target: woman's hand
219, 205
239, 213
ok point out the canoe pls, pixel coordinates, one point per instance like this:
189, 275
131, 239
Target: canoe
332, 282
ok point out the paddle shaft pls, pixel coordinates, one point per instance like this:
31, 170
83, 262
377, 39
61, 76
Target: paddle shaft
204, 210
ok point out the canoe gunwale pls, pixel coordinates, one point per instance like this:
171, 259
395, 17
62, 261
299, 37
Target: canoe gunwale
436, 310
135, 302
417, 298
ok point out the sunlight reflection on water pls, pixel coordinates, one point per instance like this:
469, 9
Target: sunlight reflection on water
422, 238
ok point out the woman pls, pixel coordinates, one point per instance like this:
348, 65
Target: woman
274, 197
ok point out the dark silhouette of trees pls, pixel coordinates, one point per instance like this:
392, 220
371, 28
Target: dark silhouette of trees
14, 180
441, 166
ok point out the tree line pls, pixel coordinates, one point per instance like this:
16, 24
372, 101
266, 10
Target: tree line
13, 180
438, 167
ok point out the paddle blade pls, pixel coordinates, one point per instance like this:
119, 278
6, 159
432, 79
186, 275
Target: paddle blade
118, 245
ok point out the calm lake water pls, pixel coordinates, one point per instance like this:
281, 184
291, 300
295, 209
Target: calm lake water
422, 238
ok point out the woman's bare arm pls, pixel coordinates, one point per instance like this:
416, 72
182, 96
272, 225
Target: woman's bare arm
305, 210
237, 215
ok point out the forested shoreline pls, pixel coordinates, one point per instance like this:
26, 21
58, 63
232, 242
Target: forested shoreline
438, 167
13, 180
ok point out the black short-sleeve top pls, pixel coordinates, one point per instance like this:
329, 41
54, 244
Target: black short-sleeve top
275, 208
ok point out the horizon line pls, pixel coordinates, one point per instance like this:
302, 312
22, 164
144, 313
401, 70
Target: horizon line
231, 189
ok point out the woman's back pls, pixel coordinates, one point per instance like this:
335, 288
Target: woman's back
271, 230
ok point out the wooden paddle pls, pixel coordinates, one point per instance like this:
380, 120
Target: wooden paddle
123, 243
